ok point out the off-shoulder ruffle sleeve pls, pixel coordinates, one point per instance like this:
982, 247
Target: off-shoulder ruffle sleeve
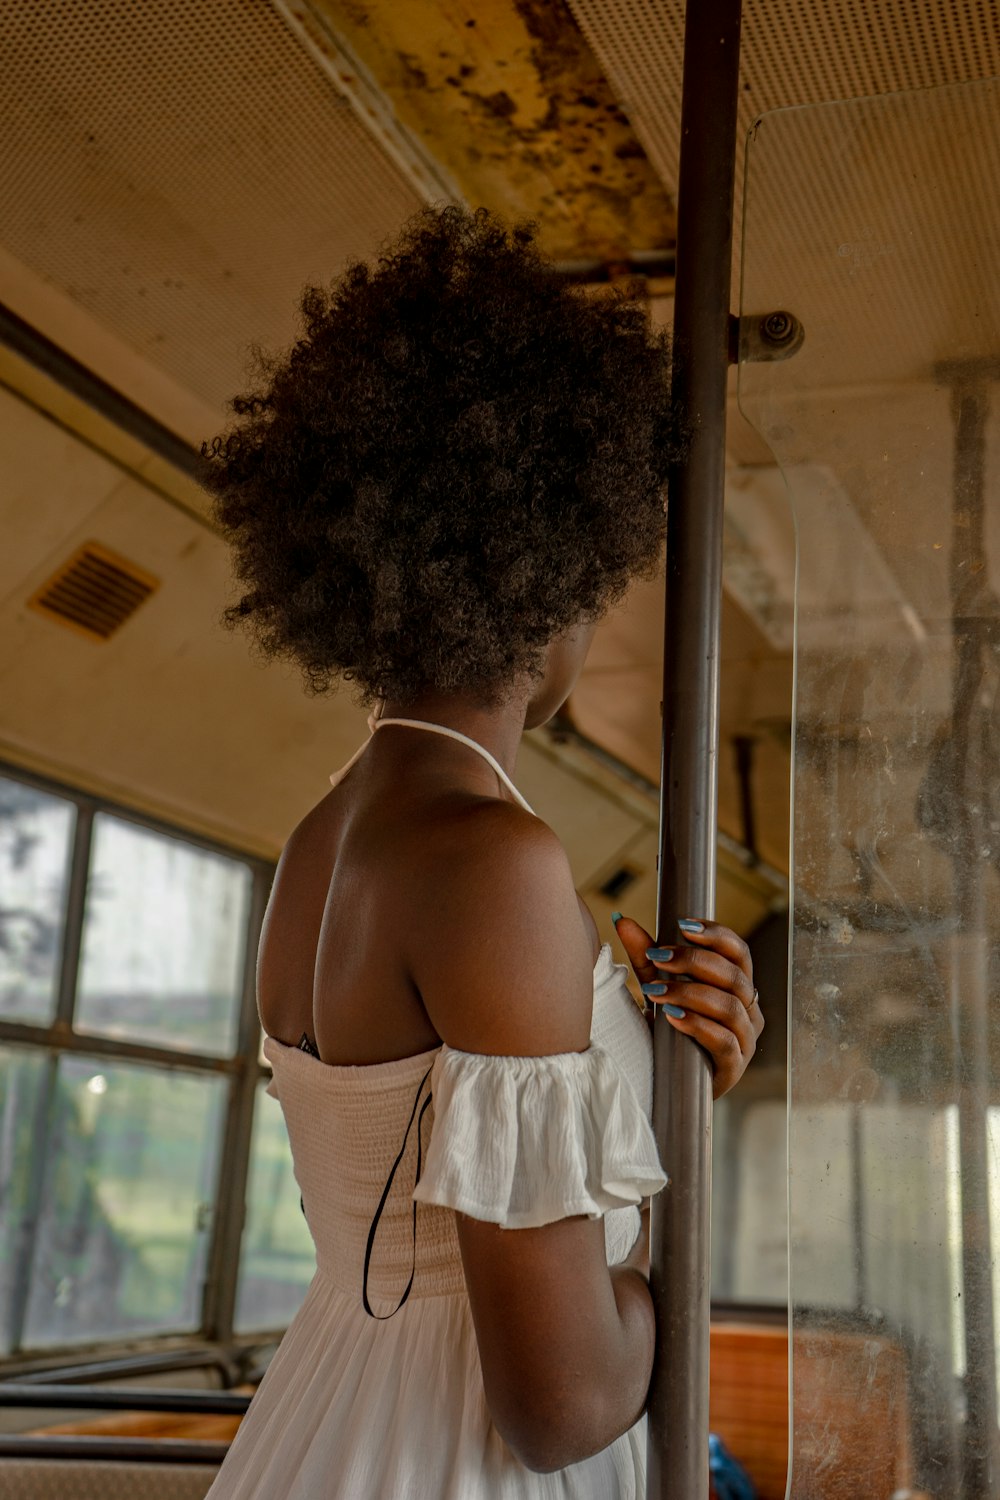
523, 1141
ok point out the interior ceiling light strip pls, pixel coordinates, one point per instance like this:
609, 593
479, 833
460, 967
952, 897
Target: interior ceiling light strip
197, 170
96, 591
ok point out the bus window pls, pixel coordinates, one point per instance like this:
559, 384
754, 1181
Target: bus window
36, 837
121, 1238
128, 1032
164, 940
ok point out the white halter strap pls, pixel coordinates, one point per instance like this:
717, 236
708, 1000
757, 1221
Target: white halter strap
455, 734
374, 722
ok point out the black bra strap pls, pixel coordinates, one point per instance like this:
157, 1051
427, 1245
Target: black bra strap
306, 1045
381, 1317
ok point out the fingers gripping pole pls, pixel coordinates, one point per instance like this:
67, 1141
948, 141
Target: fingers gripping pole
679, 1277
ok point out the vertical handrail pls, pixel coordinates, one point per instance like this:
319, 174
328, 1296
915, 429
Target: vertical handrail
682, 1104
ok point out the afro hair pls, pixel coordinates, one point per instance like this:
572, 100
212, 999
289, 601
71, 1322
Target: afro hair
461, 457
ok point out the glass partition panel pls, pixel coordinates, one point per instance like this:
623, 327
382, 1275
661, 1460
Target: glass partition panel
869, 364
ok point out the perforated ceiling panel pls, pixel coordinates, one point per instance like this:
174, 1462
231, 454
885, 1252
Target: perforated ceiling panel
181, 170
793, 52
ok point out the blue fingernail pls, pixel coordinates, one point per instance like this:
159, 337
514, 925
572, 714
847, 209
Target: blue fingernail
686, 925
674, 1010
616, 916
663, 954
653, 989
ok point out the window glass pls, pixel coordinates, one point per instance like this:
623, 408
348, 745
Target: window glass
749, 1201
36, 834
278, 1258
886, 429
21, 1085
750, 1204
123, 1233
164, 940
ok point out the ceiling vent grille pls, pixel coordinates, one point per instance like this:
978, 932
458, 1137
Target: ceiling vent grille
95, 592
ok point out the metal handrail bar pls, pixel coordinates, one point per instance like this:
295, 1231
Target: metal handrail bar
123, 1366
122, 1398
113, 1450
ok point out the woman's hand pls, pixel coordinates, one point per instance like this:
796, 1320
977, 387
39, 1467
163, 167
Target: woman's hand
705, 989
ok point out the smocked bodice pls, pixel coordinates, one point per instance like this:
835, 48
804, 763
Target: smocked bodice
347, 1124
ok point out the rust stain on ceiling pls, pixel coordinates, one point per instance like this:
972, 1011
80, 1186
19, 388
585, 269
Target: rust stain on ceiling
510, 100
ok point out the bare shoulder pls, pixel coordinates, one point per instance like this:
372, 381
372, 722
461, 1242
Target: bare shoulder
505, 964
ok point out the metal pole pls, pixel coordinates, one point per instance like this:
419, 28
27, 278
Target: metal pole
682, 1104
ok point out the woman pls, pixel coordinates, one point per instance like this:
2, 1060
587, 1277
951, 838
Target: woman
436, 496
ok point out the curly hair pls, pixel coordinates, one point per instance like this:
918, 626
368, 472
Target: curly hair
460, 458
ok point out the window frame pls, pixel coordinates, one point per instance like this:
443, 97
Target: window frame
243, 1070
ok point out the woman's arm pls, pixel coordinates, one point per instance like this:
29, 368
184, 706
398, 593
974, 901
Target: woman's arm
504, 965
566, 1344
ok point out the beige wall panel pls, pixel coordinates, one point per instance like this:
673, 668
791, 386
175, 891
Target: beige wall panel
49, 484
639, 899
617, 703
170, 715
592, 827
22, 382
743, 898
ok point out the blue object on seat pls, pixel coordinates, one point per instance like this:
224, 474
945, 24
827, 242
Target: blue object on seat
730, 1479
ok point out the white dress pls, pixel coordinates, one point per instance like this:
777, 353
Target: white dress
389, 1405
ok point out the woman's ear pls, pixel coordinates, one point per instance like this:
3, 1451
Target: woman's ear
564, 659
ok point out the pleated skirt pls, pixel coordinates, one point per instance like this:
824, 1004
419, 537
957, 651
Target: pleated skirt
356, 1409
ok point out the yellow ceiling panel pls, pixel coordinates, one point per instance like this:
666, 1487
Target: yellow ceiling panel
511, 102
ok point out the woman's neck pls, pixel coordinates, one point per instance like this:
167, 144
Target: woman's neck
497, 729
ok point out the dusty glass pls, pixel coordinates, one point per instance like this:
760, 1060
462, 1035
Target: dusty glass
23, 1100
870, 364
164, 940
130, 1177
36, 837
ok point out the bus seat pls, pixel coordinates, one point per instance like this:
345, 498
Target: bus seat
853, 1385
748, 1401
75, 1479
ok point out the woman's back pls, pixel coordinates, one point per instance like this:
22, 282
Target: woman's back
377, 1389
362, 891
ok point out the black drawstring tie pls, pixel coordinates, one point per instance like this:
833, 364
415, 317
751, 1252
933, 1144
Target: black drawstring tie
381, 1317
306, 1045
